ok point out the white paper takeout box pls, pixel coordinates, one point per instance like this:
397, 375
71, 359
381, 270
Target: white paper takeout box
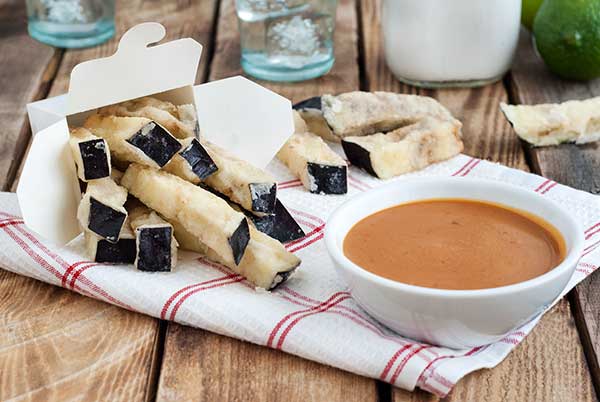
234, 113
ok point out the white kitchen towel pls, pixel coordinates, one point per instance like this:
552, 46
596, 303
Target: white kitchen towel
312, 315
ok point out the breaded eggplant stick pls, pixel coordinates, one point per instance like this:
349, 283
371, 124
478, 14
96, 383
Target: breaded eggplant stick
202, 213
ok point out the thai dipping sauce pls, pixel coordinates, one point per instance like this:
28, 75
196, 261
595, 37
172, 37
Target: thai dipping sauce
455, 244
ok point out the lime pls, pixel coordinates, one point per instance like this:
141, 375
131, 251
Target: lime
567, 36
528, 10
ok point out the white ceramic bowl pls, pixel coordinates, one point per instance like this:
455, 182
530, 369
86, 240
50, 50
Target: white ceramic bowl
453, 318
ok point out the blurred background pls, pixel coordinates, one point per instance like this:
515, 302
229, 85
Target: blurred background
427, 43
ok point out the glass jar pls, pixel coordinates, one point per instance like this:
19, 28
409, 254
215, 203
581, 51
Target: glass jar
450, 43
286, 40
71, 23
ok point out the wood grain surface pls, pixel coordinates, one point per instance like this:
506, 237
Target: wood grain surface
201, 366
57, 345
219, 368
66, 346
530, 82
574, 165
343, 77
26, 69
548, 366
487, 135
181, 19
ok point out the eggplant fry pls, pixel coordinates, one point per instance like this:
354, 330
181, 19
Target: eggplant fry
193, 163
280, 225
320, 169
253, 188
101, 209
362, 113
91, 154
266, 263
123, 251
575, 121
404, 150
156, 247
135, 139
202, 213
181, 120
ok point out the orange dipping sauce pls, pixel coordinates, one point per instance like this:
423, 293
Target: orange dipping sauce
455, 244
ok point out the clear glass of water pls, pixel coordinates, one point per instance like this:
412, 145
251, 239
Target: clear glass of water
286, 40
71, 23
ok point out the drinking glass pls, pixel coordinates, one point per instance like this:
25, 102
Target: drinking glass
286, 40
457, 43
71, 23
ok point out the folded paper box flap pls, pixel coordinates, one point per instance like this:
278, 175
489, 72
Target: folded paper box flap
157, 69
48, 190
45, 112
235, 113
245, 118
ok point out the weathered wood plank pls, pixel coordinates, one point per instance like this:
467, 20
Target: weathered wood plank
65, 346
219, 368
576, 166
548, 366
487, 135
27, 69
530, 83
202, 366
56, 345
342, 77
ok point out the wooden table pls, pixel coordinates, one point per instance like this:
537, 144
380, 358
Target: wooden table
57, 345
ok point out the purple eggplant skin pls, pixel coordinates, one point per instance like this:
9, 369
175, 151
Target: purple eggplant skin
95, 159
156, 142
281, 225
281, 277
264, 197
358, 156
328, 179
310, 103
239, 240
154, 249
199, 160
121, 252
105, 221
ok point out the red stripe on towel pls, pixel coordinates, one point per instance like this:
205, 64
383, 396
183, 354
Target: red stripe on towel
34, 256
308, 243
78, 273
392, 360
283, 183
548, 188
278, 326
11, 222
404, 362
307, 215
459, 171
466, 172
592, 227
187, 295
542, 185
290, 186
67, 272
321, 309
171, 299
66, 265
305, 237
